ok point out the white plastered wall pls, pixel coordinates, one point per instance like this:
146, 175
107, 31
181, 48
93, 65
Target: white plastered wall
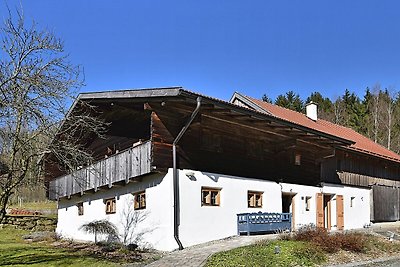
199, 224
157, 224
355, 217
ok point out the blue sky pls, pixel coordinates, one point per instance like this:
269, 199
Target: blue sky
218, 47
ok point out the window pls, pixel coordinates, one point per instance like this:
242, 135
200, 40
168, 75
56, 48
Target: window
110, 205
308, 203
254, 199
297, 159
140, 200
352, 202
80, 208
210, 196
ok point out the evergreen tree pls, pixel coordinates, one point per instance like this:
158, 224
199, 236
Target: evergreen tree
266, 98
290, 101
325, 105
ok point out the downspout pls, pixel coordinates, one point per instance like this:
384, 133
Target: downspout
175, 176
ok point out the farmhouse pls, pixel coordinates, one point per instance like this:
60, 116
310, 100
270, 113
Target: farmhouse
184, 165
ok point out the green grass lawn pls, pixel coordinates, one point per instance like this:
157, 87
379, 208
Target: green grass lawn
292, 253
308, 247
14, 251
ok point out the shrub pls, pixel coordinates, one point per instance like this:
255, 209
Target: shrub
354, 242
108, 247
100, 227
132, 247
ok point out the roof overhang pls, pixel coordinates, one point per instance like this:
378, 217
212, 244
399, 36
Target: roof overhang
211, 106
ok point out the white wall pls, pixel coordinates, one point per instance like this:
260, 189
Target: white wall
354, 217
157, 223
199, 223
205, 223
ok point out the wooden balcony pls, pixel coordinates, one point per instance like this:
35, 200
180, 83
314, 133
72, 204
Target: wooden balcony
118, 168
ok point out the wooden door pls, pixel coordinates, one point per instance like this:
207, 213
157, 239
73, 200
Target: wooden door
339, 212
320, 210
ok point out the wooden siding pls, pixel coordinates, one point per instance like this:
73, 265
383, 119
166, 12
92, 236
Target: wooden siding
386, 204
351, 169
120, 167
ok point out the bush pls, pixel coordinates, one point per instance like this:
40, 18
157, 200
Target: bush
100, 227
108, 247
355, 242
132, 247
331, 243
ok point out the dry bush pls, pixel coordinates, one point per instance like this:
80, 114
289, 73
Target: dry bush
355, 242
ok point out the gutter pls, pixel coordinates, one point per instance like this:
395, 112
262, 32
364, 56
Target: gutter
175, 176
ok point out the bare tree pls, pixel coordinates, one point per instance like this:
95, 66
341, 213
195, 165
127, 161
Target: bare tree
388, 114
375, 110
339, 111
132, 232
37, 82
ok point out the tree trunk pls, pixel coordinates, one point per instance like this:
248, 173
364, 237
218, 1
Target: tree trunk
3, 205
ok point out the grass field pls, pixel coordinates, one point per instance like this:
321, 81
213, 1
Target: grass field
42, 205
292, 253
14, 251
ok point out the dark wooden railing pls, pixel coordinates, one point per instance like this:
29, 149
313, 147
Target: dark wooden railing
120, 167
263, 222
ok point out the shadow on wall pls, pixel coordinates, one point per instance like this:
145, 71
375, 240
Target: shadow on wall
215, 177
134, 226
148, 181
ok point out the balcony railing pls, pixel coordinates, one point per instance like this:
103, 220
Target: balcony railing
120, 167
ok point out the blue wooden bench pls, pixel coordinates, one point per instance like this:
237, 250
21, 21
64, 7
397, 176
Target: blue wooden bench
263, 222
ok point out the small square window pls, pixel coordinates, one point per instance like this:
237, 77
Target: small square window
308, 203
210, 196
140, 200
297, 159
80, 208
352, 200
110, 205
254, 199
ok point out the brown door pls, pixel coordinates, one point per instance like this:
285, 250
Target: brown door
339, 212
320, 210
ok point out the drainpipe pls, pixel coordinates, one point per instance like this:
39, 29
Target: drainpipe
175, 176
